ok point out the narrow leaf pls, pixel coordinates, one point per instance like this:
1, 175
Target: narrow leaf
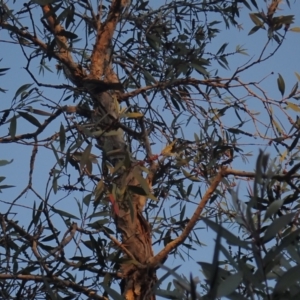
85, 156
281, 84
229, 285
293, 106
30, 118
112, 293
256, 20
133, 115
13, 127
254, 3
5, 162
273, 208
288, 279
37, 215
38, 112
231, 238
4, 70
87, 199
21, 89
295, 29
62, 137
190, 176
6, 186
277, 225
56, 155
254, 29
64, 213
294, 90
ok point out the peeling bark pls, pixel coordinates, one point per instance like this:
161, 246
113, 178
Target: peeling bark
130, 223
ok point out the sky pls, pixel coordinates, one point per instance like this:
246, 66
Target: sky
285, 62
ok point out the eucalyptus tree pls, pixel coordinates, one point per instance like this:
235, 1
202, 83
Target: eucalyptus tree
127, 102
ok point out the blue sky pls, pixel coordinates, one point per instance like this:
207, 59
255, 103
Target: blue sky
285, 62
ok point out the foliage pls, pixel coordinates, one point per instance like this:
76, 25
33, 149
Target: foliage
137, 140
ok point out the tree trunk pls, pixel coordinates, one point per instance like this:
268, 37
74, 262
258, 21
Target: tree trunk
130, 223
103, 86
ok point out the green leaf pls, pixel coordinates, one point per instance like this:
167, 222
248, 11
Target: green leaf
284, 243
294, 90
62, 137
273, 208
254, 29
276, 226
22, 89
165, 276
148, 77
256, 20
30, 118
210, 271
200, 69
254, 4
36, 216
68, 34
190, 176
182, 213
288, 279
5, 162
231, 238
64, 213
153, 42
175, 103
136, 190
56, 155
50, 237
54, 184
297, 75
38, 112
295, 142
13, 127
229, 285
87, 199
70, 16
6, 186
85, 156
99, 189
281, 84
63, 15
3, 70
222, 48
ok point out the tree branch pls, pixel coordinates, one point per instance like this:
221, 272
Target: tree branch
73, 71
33, 134
55, 280
100, 58
154, 261
223, 172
